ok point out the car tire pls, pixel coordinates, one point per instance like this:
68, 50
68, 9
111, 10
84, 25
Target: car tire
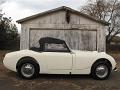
101, 70
28, 69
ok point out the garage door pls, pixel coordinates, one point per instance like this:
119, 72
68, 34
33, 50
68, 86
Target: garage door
76, 39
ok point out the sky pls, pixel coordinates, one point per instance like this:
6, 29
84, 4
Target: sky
18, 9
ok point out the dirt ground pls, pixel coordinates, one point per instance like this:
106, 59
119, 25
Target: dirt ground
10, 81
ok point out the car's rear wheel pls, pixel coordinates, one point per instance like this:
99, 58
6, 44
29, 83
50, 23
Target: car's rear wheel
28, 69
101, 70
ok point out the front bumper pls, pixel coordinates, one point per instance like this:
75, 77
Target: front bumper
115, 69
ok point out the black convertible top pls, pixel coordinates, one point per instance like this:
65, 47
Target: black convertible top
50, 40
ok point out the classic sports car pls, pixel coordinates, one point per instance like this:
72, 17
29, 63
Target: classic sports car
55, 57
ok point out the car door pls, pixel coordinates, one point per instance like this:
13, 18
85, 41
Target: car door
58, 60
57, 56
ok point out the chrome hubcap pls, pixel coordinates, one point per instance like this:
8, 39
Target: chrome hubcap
27, 70
102, 71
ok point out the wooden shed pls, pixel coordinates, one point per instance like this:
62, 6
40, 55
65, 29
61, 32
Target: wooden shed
80, 31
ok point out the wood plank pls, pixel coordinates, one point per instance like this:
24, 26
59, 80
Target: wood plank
62, 29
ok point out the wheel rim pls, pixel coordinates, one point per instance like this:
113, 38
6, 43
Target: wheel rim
102, 71
27, 70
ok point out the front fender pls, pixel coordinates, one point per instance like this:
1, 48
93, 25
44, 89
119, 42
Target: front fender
106, 56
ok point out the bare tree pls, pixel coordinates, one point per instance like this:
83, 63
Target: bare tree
108, 10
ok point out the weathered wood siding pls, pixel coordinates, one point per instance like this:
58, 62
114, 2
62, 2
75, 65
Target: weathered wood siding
56, 21
76, 39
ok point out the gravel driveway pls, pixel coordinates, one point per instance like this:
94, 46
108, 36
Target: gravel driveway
10, 81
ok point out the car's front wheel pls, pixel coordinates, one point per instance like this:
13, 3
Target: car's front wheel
101, 70
28, 69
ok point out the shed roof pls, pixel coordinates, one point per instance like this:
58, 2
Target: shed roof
59, 9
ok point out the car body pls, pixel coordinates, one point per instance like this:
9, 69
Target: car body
55, 57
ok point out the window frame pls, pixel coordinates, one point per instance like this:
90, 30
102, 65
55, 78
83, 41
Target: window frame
68, 50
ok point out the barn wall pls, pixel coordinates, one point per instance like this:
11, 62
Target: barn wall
76, 39
101, 39
56, 21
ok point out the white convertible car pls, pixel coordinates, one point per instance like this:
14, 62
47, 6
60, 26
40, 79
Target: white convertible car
54, 57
